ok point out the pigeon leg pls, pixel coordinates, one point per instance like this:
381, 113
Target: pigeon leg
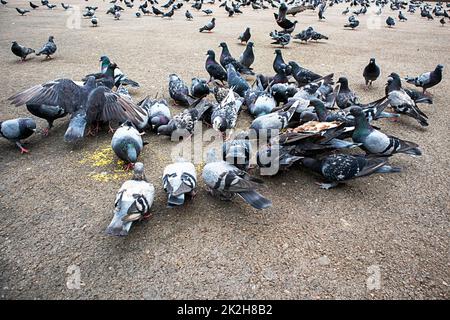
22, 149
45, 131
327, 186
111, 130
128, 166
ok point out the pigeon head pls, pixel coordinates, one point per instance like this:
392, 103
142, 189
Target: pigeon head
159, 121
173, 77
356, 112
344, 82
50, 39
166, 130
30, 124
219, 124
394, 81
223, 45
138, 172
277, 51
105, 59
372, 60
14, 42
211, 54
440, 67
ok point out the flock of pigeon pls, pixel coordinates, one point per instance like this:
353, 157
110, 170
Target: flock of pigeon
300, 117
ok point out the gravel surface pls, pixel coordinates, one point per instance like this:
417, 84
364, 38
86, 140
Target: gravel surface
385, 236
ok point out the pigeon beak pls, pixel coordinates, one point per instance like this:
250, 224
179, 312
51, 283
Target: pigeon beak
34, 130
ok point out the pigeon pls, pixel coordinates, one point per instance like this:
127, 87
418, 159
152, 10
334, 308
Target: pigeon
22, 11
304, 35
44, 2
302, 75
158, 112
401, 102
179, 91
322, 8
184, 123
120, 79
390, 22
376, 142
235, 81
21, 51
138, 14
117, 15
282, 39
401, 17
225, 180
188, 15
48, 49
224, 116
209, 26
371, 72
317, 36
428, 79
66, 6
339, 168
169, 14
199, 88
51, 6
273, 121
208, 11
94, 21
245, 36
179, 179
346, 97
156, 11
345, 11
104, 105
238, 151
133, 202
226, 59
127, 144
47, 112
263, 103
352, 24
279, 66
215, 70
247, 57
4, 2
33, 6
442, 21
17, 129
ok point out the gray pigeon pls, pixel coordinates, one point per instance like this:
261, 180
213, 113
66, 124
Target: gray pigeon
224, 116
376, 142
17, 129
225, 180
48, 49
199, 88
239, 85
47, 112
274, 121
401, 102
247, 57
21, 51
428, 79
158, 112
179, 179
179, 91
339, 168
133, 202
346, 97
371, 72
238, 151
127, 144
